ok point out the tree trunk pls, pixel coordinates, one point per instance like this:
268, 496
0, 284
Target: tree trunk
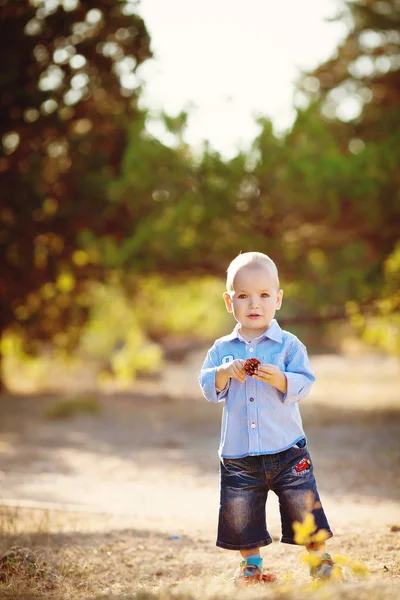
3, 388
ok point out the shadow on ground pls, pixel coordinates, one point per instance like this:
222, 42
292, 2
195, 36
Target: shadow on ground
354, 449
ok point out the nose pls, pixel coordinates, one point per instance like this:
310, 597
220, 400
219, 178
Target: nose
253, 303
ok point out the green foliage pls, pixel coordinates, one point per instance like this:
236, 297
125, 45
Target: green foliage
193, 307
366, 69
67, 94
382, 329
325, 215
114, 338
124, 335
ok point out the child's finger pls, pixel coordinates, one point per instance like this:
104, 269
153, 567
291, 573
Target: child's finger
269, 369
239, 374
239, 365
263, 376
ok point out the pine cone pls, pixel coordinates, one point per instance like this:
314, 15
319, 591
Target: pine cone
251, 366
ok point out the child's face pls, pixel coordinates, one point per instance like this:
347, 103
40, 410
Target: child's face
255, 298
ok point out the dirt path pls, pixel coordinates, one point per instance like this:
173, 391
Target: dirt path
148, 462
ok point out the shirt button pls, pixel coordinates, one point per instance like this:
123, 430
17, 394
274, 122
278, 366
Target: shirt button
253, 425
251, 349
251, 399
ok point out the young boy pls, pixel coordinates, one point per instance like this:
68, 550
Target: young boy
263, 445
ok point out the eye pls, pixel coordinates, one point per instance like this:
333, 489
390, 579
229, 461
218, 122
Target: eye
242, 296
264, 295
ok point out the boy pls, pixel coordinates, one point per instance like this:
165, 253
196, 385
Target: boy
263, 445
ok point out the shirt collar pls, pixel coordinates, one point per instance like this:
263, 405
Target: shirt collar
274, 332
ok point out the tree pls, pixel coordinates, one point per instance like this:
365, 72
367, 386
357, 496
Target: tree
358, 93
68, 90
360, 84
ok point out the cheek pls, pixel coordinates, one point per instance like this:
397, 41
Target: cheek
270, 304
274, 302
238, 310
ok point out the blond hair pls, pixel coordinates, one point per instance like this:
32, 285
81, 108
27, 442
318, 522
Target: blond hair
248, 258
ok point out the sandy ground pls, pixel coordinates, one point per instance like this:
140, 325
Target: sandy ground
147, 466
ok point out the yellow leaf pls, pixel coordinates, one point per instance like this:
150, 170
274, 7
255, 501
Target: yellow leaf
312, 560
359, 569
341, 559
303, 531
320, 536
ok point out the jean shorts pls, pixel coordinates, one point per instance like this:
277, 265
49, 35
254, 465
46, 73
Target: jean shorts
245, 483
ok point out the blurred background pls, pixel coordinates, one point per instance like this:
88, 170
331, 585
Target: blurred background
143, 146
132, 176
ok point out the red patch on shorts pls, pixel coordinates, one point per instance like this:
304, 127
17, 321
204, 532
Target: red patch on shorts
303, 465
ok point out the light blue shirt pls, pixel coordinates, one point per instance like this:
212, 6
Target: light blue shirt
257, 418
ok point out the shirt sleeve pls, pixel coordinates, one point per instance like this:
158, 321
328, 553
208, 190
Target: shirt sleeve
207, 377
298, 373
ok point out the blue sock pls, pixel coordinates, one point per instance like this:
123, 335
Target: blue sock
249, 558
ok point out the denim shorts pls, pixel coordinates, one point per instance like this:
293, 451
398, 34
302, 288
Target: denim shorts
245, 483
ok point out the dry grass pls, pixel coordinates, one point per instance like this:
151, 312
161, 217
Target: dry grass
94, 556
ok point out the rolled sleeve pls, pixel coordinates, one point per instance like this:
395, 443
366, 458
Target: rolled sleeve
207, 377
298, 374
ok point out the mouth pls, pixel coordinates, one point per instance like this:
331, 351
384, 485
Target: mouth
254, 316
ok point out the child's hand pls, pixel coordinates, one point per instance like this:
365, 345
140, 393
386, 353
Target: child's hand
227, 370
235, 369
272, 375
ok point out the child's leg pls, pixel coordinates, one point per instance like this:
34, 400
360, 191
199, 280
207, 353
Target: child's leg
298, 496
296, 489
316, 547
251, 552
253, 558
321, 563
251, 567
242, 521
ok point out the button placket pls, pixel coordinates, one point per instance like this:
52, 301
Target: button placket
251, 385
252, 416
253, 433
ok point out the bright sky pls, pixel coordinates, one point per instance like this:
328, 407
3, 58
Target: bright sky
229, 61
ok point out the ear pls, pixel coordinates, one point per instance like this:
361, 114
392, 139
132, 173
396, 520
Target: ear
228, 302
279, 299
